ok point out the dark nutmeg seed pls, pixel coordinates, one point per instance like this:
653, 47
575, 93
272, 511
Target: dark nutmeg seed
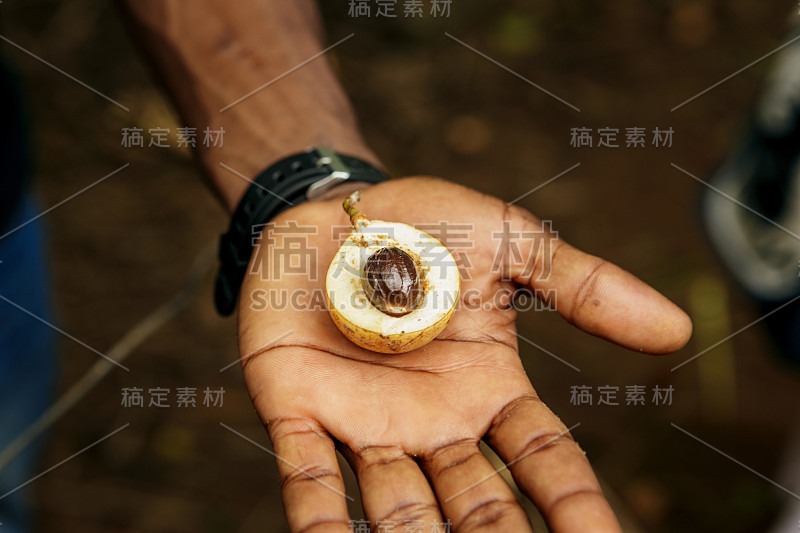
391, 281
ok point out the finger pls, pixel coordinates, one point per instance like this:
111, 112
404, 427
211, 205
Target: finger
470, 491
311, 482
394, 491
591, 293
550, 468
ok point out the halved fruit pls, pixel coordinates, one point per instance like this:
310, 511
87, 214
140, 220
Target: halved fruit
391, 287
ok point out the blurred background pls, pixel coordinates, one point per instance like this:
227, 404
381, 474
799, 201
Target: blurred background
427, 105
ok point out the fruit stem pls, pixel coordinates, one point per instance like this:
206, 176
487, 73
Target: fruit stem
357, 218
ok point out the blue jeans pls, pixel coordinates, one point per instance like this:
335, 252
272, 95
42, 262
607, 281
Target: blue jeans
27, 357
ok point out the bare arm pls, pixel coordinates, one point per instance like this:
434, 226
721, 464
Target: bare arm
212, 53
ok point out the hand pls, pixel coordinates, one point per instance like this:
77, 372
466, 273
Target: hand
410, 424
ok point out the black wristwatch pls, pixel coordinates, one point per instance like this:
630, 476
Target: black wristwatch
290, 181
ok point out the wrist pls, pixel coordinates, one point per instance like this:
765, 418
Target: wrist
258, 72
232, 167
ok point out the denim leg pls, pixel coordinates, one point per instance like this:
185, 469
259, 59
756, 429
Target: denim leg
27, 357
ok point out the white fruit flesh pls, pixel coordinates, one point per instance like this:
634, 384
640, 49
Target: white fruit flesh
364, 324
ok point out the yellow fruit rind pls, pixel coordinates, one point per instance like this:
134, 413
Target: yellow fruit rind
397, 343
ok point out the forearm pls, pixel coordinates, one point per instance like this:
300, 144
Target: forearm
211, 53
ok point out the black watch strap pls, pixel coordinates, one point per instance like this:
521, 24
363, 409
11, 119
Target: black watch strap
288, 182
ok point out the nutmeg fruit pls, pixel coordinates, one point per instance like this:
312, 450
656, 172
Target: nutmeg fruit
391, 288
391, 281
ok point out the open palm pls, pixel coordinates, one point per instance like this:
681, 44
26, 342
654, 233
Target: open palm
410, 424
